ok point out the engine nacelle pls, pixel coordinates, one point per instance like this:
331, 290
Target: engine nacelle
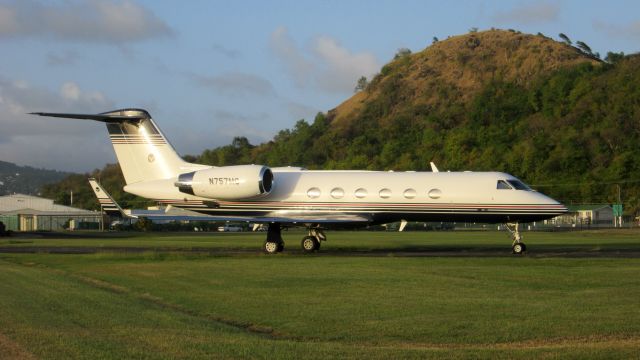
227, 182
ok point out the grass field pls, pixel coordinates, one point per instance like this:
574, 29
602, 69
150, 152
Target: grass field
575, 295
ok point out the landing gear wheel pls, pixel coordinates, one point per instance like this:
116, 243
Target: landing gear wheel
273, 244
519, 248
271, 247
310, 244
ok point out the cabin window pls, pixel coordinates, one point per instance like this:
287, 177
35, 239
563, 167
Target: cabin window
337, 193
409, 193
518, 185
502, 185
435, 193
385, 193
313, 193
361, 193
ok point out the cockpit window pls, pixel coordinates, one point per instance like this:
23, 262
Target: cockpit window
518, 185
502, 185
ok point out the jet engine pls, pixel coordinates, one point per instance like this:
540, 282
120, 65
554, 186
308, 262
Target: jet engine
227, 182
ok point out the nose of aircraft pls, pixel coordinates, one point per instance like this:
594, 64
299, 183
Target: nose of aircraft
553, 205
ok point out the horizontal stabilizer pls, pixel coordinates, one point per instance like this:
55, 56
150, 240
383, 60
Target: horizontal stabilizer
97, 117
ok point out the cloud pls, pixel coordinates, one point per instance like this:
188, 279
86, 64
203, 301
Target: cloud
48, 142
235, 84
226, 52
533, 13
69, 57
295, 62
100, 21
340, 69
301, 111
629, 30
241, 125
327, 65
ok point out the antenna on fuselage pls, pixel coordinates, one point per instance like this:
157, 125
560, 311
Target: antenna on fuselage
433, 167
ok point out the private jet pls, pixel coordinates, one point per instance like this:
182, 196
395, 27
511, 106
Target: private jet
315, 199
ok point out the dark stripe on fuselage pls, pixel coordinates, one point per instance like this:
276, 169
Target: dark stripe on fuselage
382, 212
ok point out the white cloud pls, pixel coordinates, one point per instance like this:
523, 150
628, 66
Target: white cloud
340, 68
70, 91
229, 53
533, 13
295, 62
235, 84
62, 58
301, 111
235, 124
630, 30
101, 21
327, 65
49, 142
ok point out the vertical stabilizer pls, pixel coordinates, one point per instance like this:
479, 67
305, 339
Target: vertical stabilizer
108, 205
143, 152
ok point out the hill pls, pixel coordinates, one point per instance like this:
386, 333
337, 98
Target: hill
25, 179
549, 113
456, 69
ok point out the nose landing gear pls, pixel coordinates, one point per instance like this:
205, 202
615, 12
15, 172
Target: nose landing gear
517, 246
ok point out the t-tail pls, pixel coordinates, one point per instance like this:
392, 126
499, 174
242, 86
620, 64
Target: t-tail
142, 150
108, 205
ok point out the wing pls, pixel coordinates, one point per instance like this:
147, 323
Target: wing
298, 219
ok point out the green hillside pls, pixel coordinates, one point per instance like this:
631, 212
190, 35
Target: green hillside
549, 113
25, 179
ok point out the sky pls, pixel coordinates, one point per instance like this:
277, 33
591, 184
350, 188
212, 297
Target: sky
208, 71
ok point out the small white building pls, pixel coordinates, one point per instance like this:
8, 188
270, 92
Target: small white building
31, 213
586, 215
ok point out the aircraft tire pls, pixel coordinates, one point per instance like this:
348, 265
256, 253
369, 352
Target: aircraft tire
280, 246
519, 248
309, 244
271, 247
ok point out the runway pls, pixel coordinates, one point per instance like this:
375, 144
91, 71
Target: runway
426, 251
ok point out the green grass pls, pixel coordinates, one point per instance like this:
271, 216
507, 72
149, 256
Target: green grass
182, 305
343, 240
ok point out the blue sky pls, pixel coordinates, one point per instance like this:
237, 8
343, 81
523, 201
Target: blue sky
211, 70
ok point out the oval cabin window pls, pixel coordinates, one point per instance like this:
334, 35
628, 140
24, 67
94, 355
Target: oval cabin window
337, 193
435, 193
409, 193
361, 193
313, 193
385, 193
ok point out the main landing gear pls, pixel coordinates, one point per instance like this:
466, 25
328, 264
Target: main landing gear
274, 243
517, 246
311, 242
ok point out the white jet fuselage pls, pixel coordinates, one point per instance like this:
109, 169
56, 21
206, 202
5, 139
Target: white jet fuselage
375, 195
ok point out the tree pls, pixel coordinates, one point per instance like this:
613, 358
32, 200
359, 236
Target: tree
362, 84
584, 47
402, 52
435, 40
613, 58
565, 38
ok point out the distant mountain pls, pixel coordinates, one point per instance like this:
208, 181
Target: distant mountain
25, 179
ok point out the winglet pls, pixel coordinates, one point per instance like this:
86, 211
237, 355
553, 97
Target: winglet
433, 167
